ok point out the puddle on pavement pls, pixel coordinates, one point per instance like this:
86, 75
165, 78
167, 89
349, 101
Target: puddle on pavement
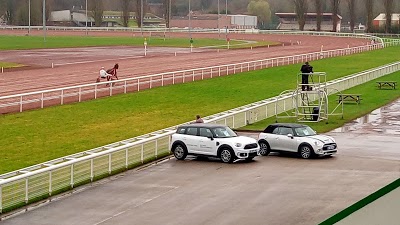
385, 120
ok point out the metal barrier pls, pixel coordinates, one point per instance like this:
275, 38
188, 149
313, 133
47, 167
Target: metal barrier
60, 96
44, 180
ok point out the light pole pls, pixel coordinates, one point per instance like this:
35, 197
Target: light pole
44, 20
218, 21
141, 17
29, 19
226, 15
190, 22
86, 17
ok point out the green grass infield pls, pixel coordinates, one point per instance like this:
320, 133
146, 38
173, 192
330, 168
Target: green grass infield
37, 42
37, 136
7, 65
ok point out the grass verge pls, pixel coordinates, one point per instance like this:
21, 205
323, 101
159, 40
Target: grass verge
372, 98
36, 42
36, 136
7, 65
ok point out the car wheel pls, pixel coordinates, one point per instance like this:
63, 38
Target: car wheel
180, 152
227, 155
305, 152
264, 148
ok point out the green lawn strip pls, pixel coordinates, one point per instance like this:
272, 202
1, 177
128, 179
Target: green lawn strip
37, 42
7, 65
37, 136
372, 98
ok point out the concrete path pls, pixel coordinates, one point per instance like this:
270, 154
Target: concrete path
271, 190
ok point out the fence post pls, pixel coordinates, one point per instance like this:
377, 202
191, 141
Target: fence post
72, 176
138, 84
1, 199
20, 104
162, 80
109, 163
79, 94
173, 78
26, 190
42, 99
50, 183
193, 76
151, 80
142, 153
156, 148
126, 158
219, 71
91, 170
125, 86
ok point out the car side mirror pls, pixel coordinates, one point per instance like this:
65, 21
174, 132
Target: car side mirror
290, 136
211, 138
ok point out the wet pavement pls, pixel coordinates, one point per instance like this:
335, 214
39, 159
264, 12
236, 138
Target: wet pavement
277, 189
385, 120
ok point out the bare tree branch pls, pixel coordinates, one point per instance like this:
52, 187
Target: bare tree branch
369, 4
301, 8
388, 5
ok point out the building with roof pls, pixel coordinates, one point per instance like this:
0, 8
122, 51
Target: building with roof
380, 20
289, 21
69, 18
210, 21
110, 19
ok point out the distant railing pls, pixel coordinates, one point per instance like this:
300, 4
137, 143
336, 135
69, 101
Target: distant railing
60, 96
44, 180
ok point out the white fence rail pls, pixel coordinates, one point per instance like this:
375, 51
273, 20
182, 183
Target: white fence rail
60, 96
44, 180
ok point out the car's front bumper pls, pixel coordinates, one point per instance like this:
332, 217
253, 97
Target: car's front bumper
244, 154
325, 152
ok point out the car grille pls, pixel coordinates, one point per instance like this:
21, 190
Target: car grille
250, 146
330, 146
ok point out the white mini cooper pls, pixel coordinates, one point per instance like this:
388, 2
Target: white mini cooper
298, 138
212, 140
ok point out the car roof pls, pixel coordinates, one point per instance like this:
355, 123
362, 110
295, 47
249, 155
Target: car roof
208, 125
292, 125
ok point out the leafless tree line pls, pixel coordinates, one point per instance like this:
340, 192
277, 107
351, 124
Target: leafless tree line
301, 7
15, 11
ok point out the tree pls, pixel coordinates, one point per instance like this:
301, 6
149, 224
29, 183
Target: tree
125, 12
352, 13
318, 9
301, 8
139, 13
369, 6
96, 8
205, 4
10, 11
260, 8
335, 12
388, 4
167, 7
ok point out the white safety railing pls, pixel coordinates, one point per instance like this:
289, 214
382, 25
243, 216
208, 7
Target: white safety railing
47, 179
60, 96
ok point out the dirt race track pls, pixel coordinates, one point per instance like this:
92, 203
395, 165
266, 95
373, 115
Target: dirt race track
73, 66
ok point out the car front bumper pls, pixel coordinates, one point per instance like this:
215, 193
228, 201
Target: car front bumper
325, 152
244, 154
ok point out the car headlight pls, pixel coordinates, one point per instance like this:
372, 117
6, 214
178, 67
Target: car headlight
238, 145
318, 143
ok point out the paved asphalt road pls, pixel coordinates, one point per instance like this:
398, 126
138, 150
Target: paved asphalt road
270, 190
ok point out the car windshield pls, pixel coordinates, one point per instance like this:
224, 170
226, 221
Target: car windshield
223, 132
304, 131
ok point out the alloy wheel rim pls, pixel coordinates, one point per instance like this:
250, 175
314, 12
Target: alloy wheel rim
178, 152
263, 149
305, 152
225, 155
